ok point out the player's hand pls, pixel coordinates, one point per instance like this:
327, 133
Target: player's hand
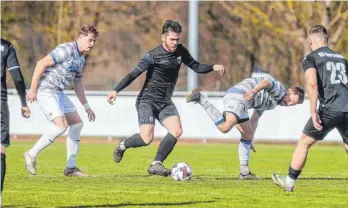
249, 95
91, 115
25, 112
346, 147
31, 96
316, 121
253, 147
112, 97
220, 69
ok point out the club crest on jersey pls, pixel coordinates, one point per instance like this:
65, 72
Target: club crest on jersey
179, 59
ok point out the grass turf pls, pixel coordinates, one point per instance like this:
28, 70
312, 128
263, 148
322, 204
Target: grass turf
323, 183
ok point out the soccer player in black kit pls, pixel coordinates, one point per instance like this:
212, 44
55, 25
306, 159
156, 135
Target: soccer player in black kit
326, 75
9, 60
154, 100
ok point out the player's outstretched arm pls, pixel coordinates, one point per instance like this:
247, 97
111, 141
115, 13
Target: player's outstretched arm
80, 93
199, 67
18, 79
145, 63
125, 82
263, 84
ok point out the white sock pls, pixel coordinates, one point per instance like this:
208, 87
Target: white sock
73, 144
45, 140
244, 155
289, 181
213, 113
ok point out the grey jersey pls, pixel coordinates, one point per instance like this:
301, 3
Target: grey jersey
266, 99
68, 65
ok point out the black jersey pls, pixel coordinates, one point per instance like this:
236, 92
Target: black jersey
332, 78
162, 72
9, 60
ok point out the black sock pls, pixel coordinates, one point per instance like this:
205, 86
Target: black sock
134, 141
3, 169
293, 174
165, 148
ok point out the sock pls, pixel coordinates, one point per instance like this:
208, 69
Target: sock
132, 142
165, 148
45, 140
212, 111
3, 169
244, 155
292, 177
73, 144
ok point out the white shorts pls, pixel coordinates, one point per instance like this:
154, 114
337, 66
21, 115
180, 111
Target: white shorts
235, 103
54, 104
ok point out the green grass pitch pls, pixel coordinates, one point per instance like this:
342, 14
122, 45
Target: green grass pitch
323, 183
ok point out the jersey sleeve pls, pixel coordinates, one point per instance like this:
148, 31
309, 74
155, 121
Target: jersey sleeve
145, 63
197, 67
277, 90
61, 53
12, 61
308, 62
187, 59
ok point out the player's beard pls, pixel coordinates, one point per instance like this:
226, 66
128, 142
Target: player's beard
169, 48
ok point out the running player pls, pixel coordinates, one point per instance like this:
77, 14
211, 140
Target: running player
52, 75
154, 101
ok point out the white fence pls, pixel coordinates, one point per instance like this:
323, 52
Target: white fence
120, 119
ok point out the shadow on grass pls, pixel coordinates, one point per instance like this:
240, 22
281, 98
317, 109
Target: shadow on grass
10, 206
166, 204
203, 178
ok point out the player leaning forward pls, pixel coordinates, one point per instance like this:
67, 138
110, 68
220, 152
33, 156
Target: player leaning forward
258, 93
154, 101
52, 75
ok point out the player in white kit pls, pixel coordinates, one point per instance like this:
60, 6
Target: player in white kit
52, 75
258, 93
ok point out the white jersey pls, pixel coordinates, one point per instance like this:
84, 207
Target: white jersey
68, 65
266, 99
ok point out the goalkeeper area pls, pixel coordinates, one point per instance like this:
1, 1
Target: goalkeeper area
214, 183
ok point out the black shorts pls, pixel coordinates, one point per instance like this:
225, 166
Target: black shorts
149, 111
5, 124
330, 120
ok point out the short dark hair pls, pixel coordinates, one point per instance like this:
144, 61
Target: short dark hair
85, 29
171, 25
319, 29
300, 92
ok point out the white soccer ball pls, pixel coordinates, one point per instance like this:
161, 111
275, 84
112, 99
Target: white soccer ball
181, 172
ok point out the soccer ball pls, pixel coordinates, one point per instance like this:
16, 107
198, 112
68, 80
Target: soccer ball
181, 172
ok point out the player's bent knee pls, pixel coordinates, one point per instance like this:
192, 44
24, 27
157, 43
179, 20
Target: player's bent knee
147, 138
306, 141
177, 133
56, 132
224, 128
248, 136
76, 127
3, 149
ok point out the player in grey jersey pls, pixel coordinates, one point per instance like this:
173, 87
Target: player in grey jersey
52, 75
258, 93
